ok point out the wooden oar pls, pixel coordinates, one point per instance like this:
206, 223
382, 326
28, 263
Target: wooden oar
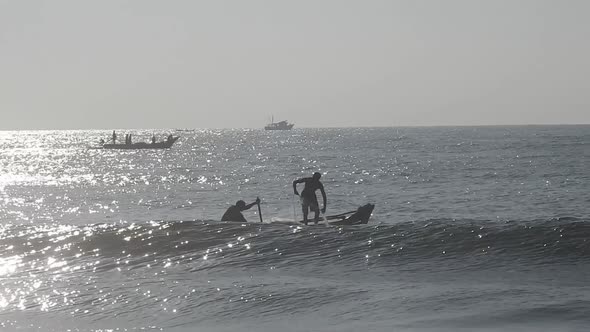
259, 211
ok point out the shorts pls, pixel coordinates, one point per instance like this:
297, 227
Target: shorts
310, 202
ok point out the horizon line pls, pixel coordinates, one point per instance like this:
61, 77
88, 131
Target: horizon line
314, 127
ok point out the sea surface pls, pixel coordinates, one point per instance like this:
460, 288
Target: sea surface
474, 229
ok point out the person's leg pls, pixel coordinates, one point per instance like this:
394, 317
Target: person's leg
315, 207
304, 209
316, 218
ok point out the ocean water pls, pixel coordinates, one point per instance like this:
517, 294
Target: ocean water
474, 229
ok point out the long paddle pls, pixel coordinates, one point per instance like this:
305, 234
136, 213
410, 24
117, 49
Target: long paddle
259, 211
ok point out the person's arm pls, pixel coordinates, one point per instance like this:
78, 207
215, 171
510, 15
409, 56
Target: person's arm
295, 185
252, 204
323, 197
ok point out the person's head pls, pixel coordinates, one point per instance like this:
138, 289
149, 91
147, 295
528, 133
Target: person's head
241, 204
316, 176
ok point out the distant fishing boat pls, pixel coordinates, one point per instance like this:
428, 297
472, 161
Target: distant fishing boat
143, 145
282, 125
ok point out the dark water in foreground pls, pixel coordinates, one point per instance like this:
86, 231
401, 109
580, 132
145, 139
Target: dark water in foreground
475, 229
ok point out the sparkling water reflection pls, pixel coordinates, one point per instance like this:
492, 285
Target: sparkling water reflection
473, 226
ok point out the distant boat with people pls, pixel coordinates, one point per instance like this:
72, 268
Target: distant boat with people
128, 145
281, 125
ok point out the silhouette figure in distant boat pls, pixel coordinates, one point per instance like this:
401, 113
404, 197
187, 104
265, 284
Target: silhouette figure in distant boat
234, 212
170, 138
153, 139
114, 137
309, 200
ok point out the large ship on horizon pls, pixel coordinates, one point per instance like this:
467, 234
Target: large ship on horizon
281, 125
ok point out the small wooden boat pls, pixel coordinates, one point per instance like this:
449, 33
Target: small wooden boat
360, 216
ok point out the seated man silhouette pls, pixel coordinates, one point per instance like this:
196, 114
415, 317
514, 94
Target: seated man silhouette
234, 212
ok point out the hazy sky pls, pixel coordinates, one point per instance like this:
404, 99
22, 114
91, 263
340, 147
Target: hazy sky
72, 64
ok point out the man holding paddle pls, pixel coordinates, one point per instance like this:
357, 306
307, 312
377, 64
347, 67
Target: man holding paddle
234, 212
309, 200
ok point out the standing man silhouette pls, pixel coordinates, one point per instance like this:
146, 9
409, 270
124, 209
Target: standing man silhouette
309, 200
